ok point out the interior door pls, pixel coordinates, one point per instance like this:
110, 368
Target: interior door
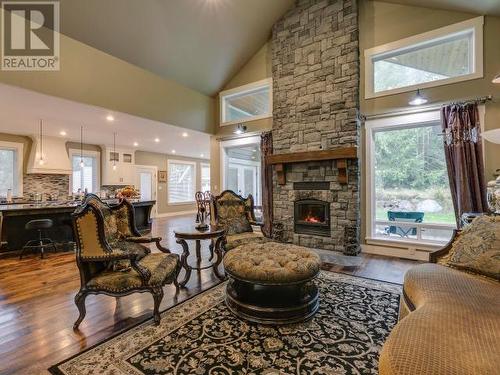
146, 182
244, 180
249, 181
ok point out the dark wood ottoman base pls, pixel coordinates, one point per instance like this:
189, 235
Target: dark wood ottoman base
272, 303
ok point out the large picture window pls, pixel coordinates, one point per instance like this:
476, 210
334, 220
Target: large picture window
246, 103
11, 168
451, 54
86, 177
409, 192
181, 181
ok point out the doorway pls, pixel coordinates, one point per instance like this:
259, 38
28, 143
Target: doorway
241, 167
146, 182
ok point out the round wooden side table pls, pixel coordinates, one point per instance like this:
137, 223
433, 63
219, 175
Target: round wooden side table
216, 235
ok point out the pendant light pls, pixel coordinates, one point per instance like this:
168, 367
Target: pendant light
419, 99
41, 161
114, 151
82, 164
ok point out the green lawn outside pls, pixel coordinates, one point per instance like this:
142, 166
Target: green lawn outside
429, 217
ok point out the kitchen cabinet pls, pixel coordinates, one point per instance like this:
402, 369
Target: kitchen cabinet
124, 173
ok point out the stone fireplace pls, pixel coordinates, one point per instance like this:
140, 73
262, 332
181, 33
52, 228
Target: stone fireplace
315, 67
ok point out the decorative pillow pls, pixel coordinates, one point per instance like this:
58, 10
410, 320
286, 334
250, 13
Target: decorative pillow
477, 248
231, 215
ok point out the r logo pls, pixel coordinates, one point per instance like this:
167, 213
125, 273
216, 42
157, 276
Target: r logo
30, 35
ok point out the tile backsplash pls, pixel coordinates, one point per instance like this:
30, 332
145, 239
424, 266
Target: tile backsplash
53, 184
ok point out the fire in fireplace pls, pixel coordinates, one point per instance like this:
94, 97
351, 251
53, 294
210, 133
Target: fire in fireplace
312, 216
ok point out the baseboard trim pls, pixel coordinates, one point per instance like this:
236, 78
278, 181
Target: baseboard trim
396, 252
177, 213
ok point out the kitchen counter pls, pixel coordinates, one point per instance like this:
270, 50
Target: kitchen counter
37, 206
70, 205
13, 218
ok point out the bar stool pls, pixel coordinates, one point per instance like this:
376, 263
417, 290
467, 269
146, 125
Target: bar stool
41, 243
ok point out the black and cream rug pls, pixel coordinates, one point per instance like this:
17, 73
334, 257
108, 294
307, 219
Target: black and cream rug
201, 336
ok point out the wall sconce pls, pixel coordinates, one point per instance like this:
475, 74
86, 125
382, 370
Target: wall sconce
240, 129
496, 79
419, 99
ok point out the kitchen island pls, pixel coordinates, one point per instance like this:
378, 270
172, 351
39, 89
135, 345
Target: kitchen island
13, 218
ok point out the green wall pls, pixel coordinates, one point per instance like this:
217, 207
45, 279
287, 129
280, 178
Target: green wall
93, 77
381, 23
160, 161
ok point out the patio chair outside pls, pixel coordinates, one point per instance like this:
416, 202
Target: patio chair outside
410, 217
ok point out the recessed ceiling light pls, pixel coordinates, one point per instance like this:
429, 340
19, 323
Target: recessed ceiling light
202, 155
157, 140
254, 150
136, 144
185, 134
110, 118
63, 133
173, 151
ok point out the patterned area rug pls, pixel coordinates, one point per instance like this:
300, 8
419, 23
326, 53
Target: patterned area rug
201, 336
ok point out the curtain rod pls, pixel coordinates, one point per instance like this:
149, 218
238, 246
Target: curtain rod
433, 107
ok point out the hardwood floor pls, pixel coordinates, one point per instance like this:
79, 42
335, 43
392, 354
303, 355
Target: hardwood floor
37, 309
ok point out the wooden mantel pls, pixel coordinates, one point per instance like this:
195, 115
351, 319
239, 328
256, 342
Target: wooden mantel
339, 154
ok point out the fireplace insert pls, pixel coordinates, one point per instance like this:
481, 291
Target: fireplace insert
312, 216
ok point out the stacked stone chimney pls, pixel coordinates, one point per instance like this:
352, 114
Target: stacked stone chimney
315, 67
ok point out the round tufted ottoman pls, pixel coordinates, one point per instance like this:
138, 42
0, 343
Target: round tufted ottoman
272, 283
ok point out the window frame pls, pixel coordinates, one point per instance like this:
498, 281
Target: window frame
444, 33
421, 118
19, 163
177, 161
267, 82
89, 153
205, 165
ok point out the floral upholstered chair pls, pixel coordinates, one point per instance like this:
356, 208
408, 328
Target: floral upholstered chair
236, 215
104, 236
119, 227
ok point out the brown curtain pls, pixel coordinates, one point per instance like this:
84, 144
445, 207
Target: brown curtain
266, 148
464, 157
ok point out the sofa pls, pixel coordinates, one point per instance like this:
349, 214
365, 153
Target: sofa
450, 309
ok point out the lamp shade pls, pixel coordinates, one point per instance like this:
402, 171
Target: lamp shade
492, 136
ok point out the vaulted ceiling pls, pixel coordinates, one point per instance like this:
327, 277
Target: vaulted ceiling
198, 43
482, 7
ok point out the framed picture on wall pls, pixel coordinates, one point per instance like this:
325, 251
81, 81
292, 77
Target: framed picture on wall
162, 176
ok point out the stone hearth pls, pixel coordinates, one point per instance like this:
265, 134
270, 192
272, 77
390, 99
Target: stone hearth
315, 64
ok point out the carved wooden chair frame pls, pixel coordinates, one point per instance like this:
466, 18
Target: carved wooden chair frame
83, 263
136, 237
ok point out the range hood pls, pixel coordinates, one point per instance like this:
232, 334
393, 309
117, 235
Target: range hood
55, 157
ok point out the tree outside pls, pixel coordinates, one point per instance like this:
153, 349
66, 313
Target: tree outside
411, 174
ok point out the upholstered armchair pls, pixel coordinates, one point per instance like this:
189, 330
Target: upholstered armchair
106, 237
120, 229
236, 215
